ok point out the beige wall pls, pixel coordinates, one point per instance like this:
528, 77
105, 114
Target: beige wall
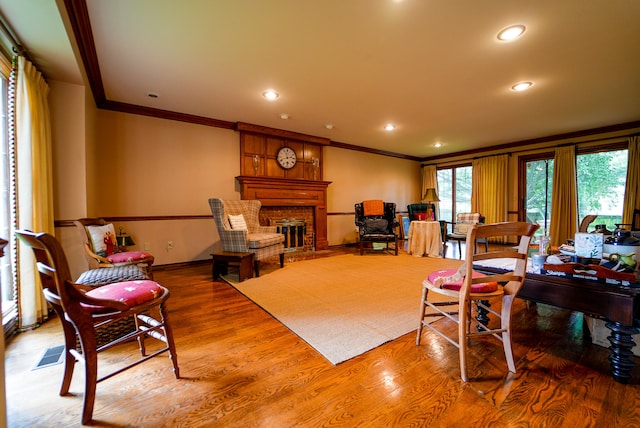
357, 176
111, 164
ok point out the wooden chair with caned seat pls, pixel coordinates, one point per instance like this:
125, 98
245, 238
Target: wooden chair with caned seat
467, 285
81, 309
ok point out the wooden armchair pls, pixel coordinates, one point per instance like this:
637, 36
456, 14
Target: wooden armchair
82, 309
102, 250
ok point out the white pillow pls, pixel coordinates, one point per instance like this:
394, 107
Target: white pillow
237, 222
103, 239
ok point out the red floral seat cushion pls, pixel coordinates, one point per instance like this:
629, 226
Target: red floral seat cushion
485, 287
131, 293
128, 256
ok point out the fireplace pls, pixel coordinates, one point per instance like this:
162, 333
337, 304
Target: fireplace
284, 198
296, 237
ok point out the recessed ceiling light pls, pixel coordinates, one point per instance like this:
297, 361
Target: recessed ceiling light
152, 95
329, 126
284, 116
437, 145
270, 94
389, 127
511, 33
522, 86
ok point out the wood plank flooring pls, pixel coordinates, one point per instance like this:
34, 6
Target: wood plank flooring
242, 368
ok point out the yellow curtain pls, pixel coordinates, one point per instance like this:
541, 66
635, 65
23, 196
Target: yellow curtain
632, 189
430, 180
564, 197
489, 188
34, 210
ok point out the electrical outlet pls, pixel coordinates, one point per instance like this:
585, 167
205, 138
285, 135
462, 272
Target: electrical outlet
169, 245
147, 246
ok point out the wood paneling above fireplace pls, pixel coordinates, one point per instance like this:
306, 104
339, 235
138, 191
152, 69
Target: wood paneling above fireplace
283, 192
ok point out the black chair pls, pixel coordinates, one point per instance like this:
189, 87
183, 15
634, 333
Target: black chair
377, 225
421, 211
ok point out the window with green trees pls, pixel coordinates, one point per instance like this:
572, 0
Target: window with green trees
601, 178
454, 191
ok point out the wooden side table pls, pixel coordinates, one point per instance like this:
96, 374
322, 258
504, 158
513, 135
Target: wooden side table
222, 260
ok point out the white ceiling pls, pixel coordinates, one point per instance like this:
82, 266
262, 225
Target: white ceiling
433, 68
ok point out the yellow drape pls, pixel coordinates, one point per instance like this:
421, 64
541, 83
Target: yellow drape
489, 188
34, 198
430, 180
564, 197
632, 189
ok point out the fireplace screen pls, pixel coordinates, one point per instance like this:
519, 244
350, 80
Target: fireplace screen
294, 231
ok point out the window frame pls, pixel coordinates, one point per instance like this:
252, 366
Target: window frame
453, 168
549, 155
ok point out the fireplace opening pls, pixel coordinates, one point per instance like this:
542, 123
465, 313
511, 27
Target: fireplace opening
295, 223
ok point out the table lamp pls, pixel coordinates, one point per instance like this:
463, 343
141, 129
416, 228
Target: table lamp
124, 240
431, 196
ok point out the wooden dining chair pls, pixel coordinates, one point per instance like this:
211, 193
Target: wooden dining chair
82, 309
467, 285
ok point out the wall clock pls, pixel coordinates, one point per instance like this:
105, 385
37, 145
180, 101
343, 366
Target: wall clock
286, 157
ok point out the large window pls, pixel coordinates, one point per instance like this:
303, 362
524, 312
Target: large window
601, 182
601, 177
454, 190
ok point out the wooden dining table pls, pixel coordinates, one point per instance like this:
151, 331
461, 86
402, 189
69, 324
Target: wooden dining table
618, 305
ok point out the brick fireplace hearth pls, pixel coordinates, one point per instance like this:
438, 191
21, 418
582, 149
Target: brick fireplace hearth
290, 198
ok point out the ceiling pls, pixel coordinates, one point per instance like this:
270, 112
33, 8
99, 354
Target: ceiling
435, 69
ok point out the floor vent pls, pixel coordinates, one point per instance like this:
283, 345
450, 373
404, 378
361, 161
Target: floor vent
50, 357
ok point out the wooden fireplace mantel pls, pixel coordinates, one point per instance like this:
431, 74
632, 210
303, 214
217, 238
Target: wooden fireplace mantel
284, 192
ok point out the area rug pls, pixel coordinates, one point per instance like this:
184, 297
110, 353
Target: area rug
344, 305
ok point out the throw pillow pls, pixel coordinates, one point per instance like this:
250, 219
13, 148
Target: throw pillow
375, 225
103, 239
237, 222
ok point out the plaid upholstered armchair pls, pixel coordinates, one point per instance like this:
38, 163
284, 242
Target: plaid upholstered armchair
240, 230
460, 227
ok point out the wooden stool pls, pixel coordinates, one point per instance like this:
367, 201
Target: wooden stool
222, 260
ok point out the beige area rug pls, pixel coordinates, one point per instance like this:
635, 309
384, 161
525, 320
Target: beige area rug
344, 305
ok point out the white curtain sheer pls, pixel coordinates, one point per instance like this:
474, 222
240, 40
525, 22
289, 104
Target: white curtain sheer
34, 200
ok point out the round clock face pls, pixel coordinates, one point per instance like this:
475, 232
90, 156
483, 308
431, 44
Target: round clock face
286, 157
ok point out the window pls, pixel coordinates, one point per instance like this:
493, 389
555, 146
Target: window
601, 178
538, 185
454, 190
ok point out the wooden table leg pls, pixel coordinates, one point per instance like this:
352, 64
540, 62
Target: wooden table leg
621, 344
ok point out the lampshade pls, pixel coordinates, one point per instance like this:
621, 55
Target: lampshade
430, 195
125, 240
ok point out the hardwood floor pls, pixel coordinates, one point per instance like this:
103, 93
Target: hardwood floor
242, 368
